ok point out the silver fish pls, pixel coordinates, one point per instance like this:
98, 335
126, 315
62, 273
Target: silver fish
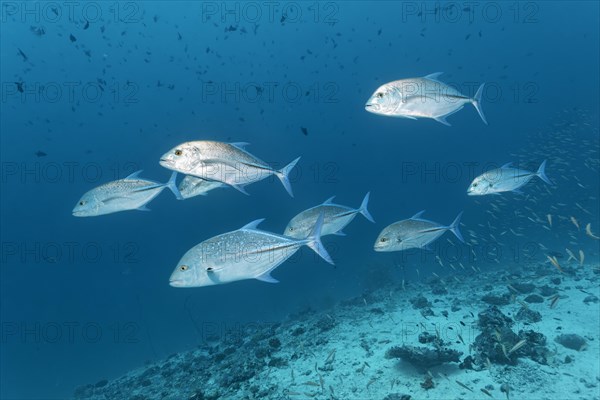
425, 97
505, 179
130, 193
247, 253
192, 186
335, 218
228, 163
414, 232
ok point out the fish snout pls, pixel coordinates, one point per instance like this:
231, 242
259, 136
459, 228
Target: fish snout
176, 283
371, 107
166, 162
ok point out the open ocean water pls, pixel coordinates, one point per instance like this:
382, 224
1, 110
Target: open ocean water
100, 300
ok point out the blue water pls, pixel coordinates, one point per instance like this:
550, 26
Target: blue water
86, 298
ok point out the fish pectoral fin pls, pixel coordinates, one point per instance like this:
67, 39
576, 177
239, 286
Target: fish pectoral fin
240, 145
143, 208
430, 230
109, 200
266, 277
340, 233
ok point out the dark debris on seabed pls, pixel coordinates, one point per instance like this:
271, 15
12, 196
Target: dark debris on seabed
513, 335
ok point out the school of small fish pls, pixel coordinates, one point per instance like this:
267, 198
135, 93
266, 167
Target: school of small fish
251, 253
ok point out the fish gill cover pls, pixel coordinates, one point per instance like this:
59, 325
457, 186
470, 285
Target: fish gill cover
165, 164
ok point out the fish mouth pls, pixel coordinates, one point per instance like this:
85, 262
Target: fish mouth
165, 162
176, 282
374, 108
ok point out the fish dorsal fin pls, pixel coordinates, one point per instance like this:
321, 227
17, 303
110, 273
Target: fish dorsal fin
240, 145
434, 76
507, 165
266, 277
135, 175
417, 215
329, 200
253, 225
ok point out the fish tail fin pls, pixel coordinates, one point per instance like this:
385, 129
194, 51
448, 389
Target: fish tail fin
314, 240
454, 227
172, 185
363, 208
476, 101
283, 175
541, 173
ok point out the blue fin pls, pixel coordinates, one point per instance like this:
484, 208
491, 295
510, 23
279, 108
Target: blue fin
253, 225
434, 76
240, 188
541, 172
135, 175
266, 277
476, 101
442, 118
454, 227
172, 185
283, 175
314, 240
363, 208
329, 200
417, 215
143, 208
339, 233
507, 165
240, 145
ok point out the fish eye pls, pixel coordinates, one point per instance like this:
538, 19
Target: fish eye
81, 202
382, 240
291, 228
379, 95
475, 184
178, 152
183, 268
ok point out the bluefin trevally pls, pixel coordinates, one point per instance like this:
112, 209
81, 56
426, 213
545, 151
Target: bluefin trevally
223, 162
335, 218
505, 179
130, 193
425, 97
247, 253
414, 232
191, 186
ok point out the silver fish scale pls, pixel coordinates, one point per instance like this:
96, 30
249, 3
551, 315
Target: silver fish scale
248, 245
